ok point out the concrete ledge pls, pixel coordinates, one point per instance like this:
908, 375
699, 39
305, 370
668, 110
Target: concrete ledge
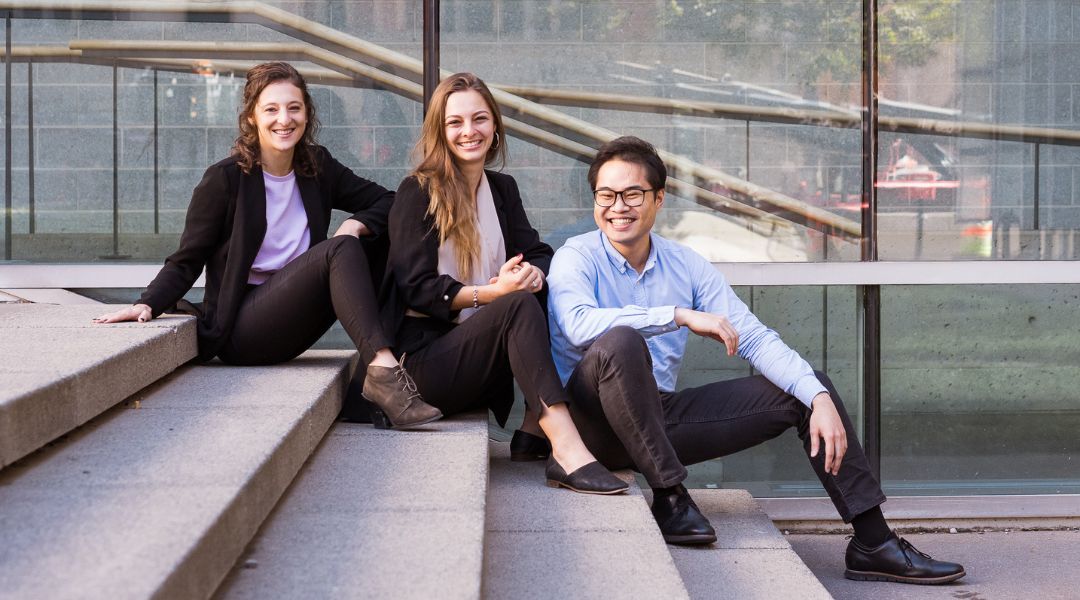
377, 514
554, 543
750, 558
60, 370
159, 501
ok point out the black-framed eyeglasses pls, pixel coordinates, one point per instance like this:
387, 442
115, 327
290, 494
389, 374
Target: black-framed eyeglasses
631, 197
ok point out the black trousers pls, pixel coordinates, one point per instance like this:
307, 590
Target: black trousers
628, 423
292, 309
474, 364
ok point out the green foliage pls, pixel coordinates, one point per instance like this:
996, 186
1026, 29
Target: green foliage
908, 30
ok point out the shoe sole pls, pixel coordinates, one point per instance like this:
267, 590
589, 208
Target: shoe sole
698, 539
418, 423
379, 420
551, 483
876, 576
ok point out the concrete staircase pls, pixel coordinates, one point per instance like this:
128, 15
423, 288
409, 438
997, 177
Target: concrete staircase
136, 477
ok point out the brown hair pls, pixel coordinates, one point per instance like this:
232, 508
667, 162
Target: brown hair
246, 146
451, 202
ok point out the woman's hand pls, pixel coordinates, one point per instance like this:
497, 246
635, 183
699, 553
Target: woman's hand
534, 280
352, 227
135, 312
517, 275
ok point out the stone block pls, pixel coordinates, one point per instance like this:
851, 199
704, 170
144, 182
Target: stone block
379, 514
159, 498
61, 370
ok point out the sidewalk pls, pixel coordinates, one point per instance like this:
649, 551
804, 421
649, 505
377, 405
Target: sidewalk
1000, 565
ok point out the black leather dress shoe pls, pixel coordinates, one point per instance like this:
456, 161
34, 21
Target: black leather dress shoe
592, 478
680, 520
897, 560
525, 447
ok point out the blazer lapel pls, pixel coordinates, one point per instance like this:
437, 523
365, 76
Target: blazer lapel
252, 214
309, 194
500, 209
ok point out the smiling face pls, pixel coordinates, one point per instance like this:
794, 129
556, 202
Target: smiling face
469, 127
281, 117
627, 227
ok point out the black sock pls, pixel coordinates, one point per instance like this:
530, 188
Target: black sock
870, 528
667, 491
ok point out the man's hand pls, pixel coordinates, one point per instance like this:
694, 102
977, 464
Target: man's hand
825, 423
352, 227
709, 325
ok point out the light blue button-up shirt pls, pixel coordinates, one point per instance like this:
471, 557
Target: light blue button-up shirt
592, 288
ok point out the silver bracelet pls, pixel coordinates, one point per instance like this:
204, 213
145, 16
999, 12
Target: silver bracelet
475, 297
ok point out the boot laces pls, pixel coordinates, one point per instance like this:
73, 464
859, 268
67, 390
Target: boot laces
407, 384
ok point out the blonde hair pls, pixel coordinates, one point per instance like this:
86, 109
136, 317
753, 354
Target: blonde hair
451, 201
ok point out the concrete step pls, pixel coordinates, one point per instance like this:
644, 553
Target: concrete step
159, 496
377, 514
60, 370
554, 543
750, 559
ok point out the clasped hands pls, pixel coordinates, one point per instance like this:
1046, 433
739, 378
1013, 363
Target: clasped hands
517, 274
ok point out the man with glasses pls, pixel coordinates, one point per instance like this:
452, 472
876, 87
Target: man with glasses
622, 303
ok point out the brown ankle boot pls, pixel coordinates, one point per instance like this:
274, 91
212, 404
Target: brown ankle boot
395, 393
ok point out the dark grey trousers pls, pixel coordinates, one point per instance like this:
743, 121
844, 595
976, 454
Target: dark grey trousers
474, 364
289, 312
628, 423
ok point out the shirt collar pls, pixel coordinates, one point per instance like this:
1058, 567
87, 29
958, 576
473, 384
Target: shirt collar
619, 261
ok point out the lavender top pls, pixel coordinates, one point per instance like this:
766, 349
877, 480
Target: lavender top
287, 233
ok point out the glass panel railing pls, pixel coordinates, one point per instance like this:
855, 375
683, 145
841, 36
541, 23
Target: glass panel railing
979, 389
119, 107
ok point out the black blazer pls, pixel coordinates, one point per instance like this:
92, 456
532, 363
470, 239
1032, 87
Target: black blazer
225, 226
413, 279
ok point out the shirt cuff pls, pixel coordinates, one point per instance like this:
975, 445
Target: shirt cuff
807, 388
662, 319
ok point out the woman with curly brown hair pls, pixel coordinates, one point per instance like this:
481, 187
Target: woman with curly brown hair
257, 222
468, 271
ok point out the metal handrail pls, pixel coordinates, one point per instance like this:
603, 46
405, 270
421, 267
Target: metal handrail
394, 65
795, 116
101, 49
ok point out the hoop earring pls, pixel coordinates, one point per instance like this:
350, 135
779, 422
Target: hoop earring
495, 146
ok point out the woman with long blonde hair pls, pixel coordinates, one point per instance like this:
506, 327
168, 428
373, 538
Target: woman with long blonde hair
468, 270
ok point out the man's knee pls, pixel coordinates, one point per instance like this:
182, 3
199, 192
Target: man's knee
620, 339
825, 381
623, 346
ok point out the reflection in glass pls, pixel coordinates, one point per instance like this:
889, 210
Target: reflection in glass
977, 156
114, 121
753, 174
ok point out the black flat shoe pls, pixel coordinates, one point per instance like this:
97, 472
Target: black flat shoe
680, 521
592, 478
897, 560
525, 447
